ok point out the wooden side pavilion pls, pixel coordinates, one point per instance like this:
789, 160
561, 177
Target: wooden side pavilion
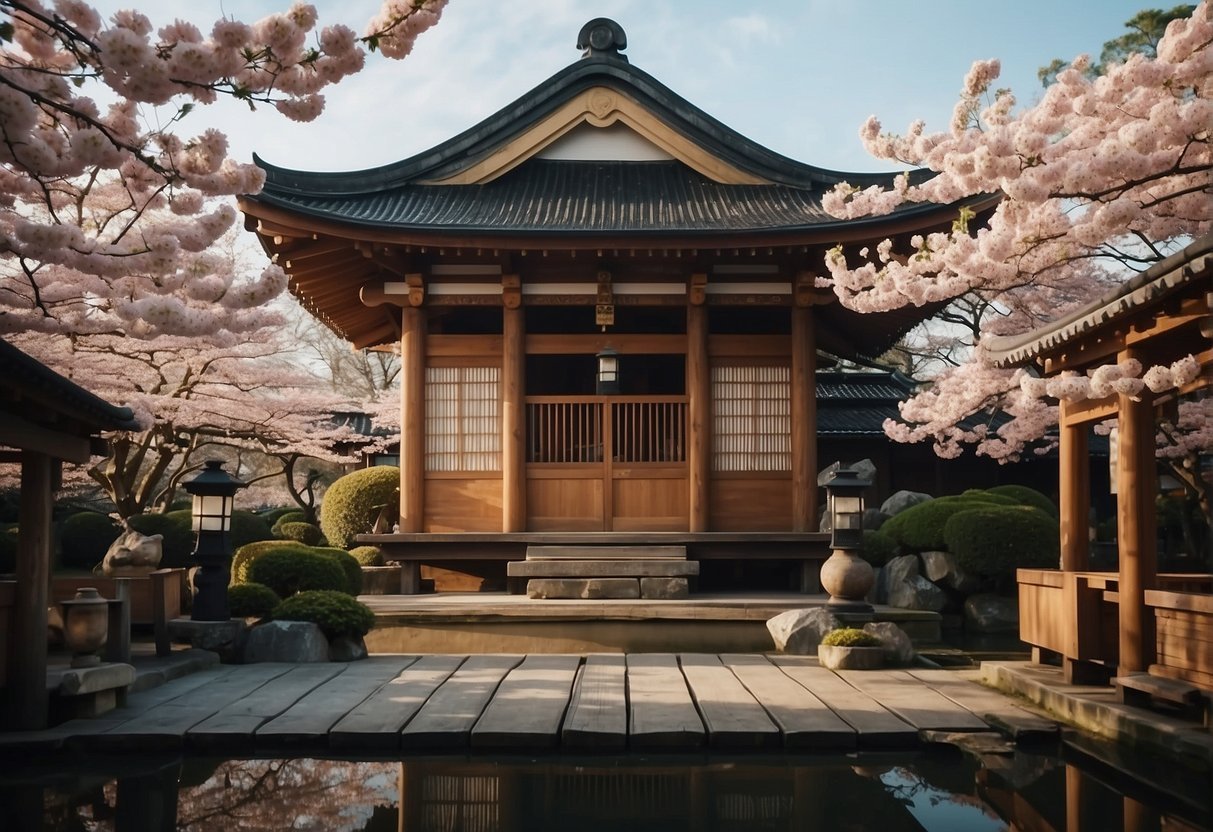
45, 420
1135, 619
598, 214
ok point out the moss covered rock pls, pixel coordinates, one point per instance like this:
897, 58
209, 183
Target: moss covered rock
991, 542
850, 637
877, 547
352, 503
336, 613
85, 538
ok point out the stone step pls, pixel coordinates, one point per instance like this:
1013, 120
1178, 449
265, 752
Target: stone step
606, 552
654, 588
666, 568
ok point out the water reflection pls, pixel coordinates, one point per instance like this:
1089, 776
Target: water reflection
887, 793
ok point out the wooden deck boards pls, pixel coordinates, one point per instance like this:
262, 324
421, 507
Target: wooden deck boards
512, 703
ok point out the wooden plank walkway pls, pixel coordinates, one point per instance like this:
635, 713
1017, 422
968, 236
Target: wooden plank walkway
569, 703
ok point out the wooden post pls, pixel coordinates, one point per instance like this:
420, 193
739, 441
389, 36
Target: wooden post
699, 414
27, 685
1136, 484
1074, 493
804, 421
412, 419
513, 413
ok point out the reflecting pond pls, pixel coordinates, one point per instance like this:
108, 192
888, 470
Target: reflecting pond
935, 790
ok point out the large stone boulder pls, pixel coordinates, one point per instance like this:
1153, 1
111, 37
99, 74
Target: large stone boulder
347, 649
917, 593
902, 500
286, 641
866, 469
800, 631
898, 649
989, 613
896, 571
943, 568
873, 519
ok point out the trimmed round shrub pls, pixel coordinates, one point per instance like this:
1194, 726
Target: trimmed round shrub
991, 542
271, 515
177, 529
286, 572
251, 600
335, 613
247, 527
349, 565
295, 516
877, 547
304, 533
8, 549
85, 538
367, 555
987, 496
920, 528
1026, 497
243, 558
850, 637
354, 501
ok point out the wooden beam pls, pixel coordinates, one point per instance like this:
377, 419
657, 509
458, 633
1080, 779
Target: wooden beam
1074, 492
16, 432
513, 419
1136, 487
1087, 411
593, 343
27, 687
412, 420
699, 417
804, 421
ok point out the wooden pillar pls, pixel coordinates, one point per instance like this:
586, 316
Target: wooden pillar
412, 419
27, 660
805, 514
1137, 486
1074, 493
513, 410
699, 406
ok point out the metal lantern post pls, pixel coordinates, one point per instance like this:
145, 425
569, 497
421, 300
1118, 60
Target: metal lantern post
608, 372
213, 491
845, 575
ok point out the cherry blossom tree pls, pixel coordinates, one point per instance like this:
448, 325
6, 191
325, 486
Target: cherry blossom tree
1103, 177
112, 267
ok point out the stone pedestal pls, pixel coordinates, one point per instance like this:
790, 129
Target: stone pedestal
583, 588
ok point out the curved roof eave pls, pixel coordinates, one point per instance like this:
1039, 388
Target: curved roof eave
909, 219
481, 139
1192, 262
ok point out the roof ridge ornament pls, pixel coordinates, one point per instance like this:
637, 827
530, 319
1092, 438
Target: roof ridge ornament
602, 37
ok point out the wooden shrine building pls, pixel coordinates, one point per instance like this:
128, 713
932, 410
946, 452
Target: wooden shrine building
598, 218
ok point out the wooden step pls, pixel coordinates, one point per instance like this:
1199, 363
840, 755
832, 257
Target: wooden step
1156, 687
606, 552
656, 568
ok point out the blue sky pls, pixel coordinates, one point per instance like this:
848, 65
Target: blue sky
798, 76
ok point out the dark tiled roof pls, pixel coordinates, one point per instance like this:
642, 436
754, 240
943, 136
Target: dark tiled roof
40, 389
545, 195
858, 403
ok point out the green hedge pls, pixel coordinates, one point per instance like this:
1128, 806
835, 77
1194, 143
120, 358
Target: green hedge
85, 538
304, 533
988, 496
288, 572
349, 565
295, 516
920, 528
251, 600
367, 555
271, 515
1026, 497
877, 547
354, 501
992, 542
243, 558
336, 613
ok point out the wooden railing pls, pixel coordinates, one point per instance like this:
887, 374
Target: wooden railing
587, 429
